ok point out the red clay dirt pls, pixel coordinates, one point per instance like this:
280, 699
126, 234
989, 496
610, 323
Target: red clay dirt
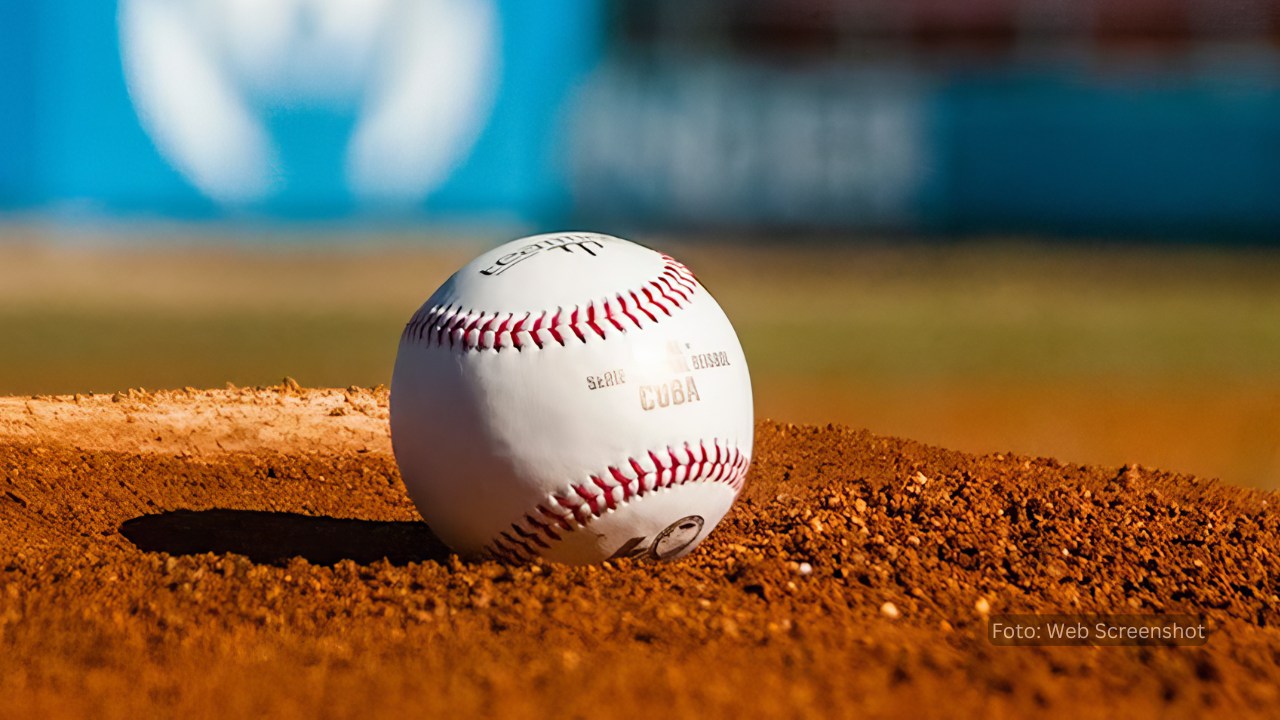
253, 553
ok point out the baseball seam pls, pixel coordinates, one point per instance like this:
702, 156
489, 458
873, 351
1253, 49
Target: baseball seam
574, 507
471, 330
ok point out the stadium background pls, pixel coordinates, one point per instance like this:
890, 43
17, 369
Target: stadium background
1039, 225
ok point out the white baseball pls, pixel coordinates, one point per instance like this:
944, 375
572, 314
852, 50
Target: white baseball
571, 396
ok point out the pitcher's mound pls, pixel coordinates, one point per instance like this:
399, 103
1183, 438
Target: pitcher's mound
252, 552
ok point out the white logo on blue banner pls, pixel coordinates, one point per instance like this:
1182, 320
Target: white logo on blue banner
417, 77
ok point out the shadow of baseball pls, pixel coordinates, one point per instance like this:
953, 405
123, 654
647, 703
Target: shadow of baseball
274, 538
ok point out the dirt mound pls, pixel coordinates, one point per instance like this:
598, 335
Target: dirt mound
855, 576
285, 418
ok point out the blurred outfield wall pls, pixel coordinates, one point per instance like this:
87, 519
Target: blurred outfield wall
978, 116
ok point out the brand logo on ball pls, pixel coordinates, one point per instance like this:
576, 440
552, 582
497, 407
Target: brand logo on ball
669, 543
568, 243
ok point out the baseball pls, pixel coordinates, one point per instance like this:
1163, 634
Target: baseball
575, 397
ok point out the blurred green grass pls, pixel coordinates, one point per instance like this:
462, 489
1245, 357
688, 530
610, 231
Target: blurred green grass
78, 320
1039, 314
1140, 340
1101, 354
67, 351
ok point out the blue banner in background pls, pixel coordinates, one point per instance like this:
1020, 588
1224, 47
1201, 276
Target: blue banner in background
1060, 151
1194, 155
320, 108
17, 102
458, 111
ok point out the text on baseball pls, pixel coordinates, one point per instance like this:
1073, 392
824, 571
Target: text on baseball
570, 243
702, 361
674, 392
609, 379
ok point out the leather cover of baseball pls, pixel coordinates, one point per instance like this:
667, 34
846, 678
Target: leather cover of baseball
575, 397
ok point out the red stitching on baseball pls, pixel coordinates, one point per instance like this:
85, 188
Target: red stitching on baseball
555, 517
575, 326
448, 325
614, 308
729, 467
514, 546
649, 296
640, 306
591, 498
606, 491
679, 272
542, 527
591, 319
501, 553
673, 287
